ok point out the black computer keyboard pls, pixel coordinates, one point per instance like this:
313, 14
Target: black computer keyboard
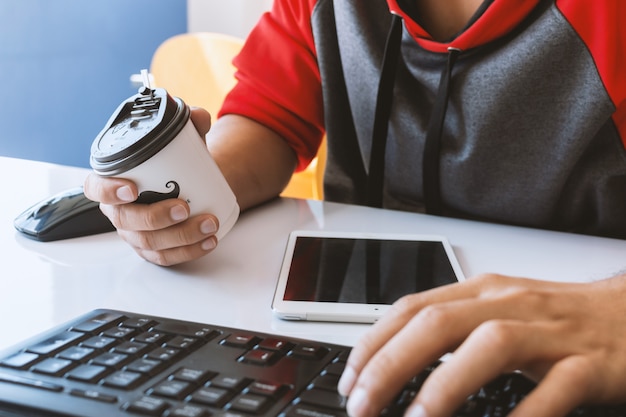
110, 363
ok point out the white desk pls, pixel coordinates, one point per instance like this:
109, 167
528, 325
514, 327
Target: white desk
44, 284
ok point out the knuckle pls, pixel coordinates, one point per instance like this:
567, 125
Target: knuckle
491, 283
385, 367
532, 299
406, 305
498, 334
437, 316
152, 219
145, 240
182, 236
487, 280
156, 257
403, 303
578, 370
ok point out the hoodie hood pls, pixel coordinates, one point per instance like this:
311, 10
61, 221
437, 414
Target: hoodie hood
501, 17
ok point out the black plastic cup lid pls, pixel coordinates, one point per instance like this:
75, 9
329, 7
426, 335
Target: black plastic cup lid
140, 127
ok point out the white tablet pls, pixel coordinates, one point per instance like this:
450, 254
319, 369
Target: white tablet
355, 277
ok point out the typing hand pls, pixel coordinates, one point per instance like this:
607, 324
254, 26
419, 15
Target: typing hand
162, 232
569, 337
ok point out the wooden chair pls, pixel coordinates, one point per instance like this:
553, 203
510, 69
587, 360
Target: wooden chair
197, 67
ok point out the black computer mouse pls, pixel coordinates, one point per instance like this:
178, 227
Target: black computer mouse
65, 215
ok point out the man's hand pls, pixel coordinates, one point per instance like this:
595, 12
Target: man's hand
571, 338
162, 232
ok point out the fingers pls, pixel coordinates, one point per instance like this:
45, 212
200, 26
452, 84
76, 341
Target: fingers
196, 230
570, 382
401, 313
109, 190
433, 331
493, 338
493, 348
180, 254
145, 217
162, 232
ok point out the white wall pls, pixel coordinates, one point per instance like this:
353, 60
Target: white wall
233, 17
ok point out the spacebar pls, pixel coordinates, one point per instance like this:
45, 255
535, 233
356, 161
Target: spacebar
35, 383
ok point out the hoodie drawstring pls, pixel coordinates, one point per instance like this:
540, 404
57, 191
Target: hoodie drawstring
384, 98
432, 145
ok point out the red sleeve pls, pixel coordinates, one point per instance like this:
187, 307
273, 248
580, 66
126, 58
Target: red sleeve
600, 26
278, 78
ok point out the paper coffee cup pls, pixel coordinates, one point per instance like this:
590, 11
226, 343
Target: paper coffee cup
151, 140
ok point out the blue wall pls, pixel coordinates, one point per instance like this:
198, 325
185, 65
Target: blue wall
65, 67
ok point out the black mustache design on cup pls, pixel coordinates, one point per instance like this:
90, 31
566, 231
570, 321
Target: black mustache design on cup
149, 197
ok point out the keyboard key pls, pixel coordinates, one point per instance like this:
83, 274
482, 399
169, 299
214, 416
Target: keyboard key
244, 341
131, 348
249, 403
215, 397
119, 332
189, 410
111, 360
336, 368
307, 410
230, 382
145, 366
163, 354
138, 322
260, 357
171, 389
52, 366
151, 338
188, 329
327, 381
122, 379
330, 399
149, 406
55, 343
182, 342
98, 323
274, 344
99, 342
76, 353
88, 373
30, 382
195, 376
269, 389
309, 351
230, 413
93, 395
20, 360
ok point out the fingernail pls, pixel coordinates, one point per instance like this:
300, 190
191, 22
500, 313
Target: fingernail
125, 193
416, 411
209, 244
346, 382
358, 404
208, 226
178, 213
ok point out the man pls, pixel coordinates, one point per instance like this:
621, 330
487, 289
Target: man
497, 110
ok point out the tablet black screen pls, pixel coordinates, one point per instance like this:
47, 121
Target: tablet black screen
372, 271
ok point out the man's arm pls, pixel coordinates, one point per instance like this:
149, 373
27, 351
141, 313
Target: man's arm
256, 162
